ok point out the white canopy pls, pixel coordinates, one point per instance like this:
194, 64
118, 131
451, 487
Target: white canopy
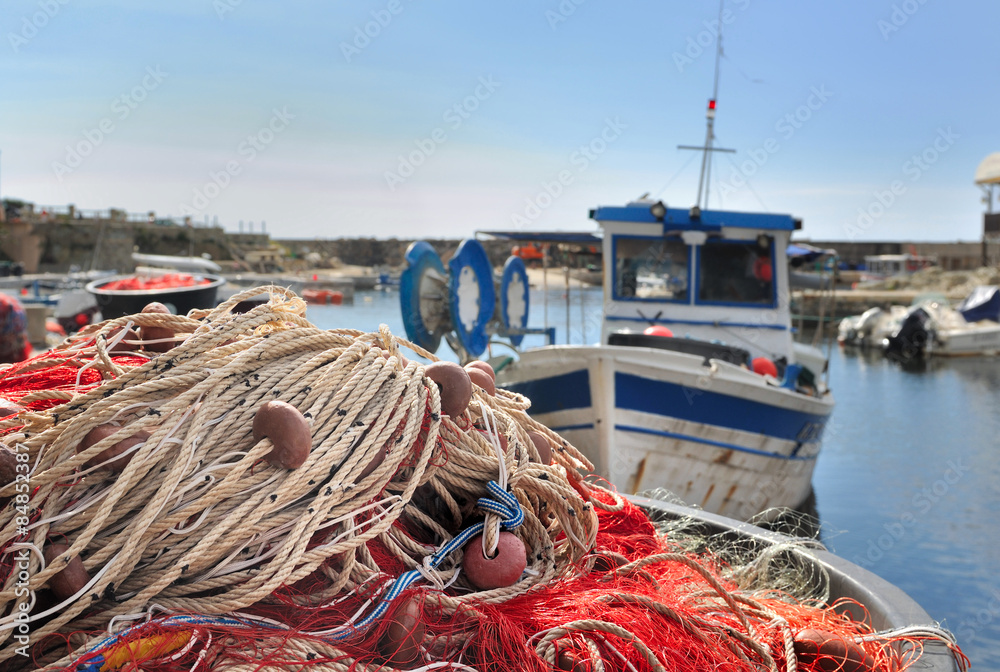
988, 171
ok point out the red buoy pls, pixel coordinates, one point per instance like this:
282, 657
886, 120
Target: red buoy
400, 643
503, 570
658, 330
764, 367
455, 386
828, 652
762, 269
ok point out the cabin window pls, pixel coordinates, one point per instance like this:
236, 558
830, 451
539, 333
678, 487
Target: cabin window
654, 269
737, 272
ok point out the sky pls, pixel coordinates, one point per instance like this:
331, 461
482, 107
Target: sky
410, 118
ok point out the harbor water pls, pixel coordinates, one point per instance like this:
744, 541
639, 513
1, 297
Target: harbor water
908, 481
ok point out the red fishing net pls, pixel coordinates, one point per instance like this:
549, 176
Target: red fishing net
639, 595
165, 281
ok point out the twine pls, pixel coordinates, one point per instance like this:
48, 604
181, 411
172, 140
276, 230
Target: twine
197, 522
199, 525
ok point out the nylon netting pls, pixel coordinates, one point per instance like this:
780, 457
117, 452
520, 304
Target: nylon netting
201, 555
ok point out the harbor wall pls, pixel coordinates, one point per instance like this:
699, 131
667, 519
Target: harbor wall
951, 256
57, 241
383, 252
61, 246
47, 244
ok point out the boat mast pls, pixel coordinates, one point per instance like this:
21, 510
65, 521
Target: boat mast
707, 149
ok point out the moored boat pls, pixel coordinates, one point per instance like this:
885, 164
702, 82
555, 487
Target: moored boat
933, 328
872, 327
689, 412
885, 266
123, 295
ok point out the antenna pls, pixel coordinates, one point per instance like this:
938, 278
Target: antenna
707, 149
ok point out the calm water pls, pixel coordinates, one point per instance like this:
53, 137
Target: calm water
907, 485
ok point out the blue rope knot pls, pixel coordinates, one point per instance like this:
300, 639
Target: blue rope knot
503, 504
93, 665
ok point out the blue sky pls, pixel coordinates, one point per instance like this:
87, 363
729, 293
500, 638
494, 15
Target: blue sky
867, 119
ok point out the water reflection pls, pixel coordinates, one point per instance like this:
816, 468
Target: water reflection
909, 484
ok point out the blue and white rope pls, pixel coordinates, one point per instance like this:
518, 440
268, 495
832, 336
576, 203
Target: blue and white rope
96, 663
503, 503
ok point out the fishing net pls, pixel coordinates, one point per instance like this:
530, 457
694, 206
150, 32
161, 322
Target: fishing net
149, 526
164, 281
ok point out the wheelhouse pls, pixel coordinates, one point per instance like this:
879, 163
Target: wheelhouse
711, 275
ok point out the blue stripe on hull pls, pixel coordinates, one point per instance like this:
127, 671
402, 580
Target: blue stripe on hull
718, 444
557, 393
658, 397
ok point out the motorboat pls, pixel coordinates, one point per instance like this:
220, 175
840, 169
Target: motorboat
933, 328
872, 327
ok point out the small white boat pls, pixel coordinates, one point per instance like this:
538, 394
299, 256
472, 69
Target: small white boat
183, 264
872, 327
687, 412
935, 329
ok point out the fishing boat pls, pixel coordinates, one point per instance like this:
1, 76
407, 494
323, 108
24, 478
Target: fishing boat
697, 384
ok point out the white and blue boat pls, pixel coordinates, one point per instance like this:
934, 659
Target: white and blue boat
688, 412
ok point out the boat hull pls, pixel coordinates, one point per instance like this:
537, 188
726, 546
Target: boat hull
977, 339
717, 435
118, 303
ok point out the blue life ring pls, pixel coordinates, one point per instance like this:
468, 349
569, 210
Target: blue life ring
514, 295
423, 327
471, 296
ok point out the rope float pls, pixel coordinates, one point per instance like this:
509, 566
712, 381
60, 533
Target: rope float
245, 491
